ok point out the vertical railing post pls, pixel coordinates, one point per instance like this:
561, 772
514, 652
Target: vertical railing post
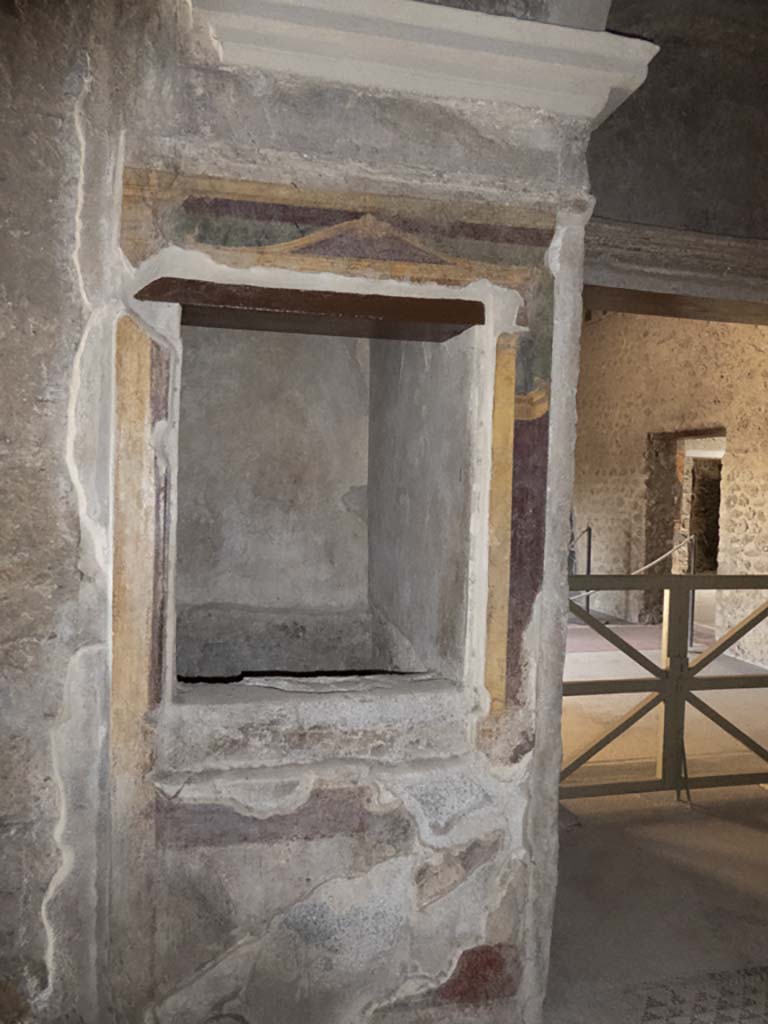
589, 562
675, 662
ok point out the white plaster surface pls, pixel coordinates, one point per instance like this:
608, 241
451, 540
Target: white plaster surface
430, 50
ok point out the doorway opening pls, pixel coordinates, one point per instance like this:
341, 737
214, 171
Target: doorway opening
682, 508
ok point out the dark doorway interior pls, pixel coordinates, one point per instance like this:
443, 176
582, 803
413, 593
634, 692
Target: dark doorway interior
663, 491
705, 512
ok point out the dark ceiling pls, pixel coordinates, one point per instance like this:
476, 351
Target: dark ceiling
689, 149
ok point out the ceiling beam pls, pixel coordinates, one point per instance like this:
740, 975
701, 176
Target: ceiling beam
646, 258
688, 307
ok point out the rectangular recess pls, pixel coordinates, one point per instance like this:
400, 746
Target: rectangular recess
294, 554
336, 314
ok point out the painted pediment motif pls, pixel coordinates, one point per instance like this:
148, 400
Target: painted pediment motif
365, 238
245, 224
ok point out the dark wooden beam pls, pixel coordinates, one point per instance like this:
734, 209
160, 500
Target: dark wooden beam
689, 307
653, 259
288, 310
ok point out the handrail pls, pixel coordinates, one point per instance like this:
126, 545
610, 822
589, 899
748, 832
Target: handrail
704, 581
572, 551
689, 540
578, 537
661, 558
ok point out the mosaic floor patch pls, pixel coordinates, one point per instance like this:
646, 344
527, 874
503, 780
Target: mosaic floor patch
728, 997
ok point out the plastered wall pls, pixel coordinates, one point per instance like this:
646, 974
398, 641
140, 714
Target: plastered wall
642, 375
323, 504
130, 896
273, 454
272, 537
419, 518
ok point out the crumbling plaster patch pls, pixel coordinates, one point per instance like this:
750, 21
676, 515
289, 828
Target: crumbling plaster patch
79, 734
356, 136
86, 218
455, 814
80, 726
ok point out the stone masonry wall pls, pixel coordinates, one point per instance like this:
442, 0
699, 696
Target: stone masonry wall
642, 375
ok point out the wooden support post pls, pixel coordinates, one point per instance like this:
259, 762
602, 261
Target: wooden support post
675, 663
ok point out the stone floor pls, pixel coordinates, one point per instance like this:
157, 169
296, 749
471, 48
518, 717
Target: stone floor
662, 911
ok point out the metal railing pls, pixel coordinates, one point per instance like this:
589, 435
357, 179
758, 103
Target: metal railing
688, 541
586, 532
673, 684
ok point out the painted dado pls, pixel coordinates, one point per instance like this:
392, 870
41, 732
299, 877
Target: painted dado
362, 824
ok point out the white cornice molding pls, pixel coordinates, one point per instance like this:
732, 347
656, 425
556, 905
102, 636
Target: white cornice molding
425, 49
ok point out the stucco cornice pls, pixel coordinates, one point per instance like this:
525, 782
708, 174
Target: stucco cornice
426, 49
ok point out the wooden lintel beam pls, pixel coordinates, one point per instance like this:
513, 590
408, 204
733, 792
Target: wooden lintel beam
293, 310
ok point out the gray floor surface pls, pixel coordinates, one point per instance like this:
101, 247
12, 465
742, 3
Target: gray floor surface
662, 911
